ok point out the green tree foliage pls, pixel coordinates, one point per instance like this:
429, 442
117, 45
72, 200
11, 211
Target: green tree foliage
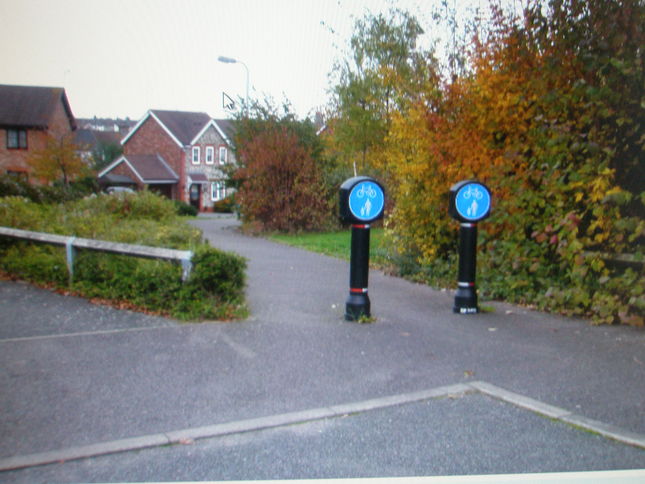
382, 73
104, 154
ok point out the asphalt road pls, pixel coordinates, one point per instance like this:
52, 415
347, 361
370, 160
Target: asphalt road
297, 392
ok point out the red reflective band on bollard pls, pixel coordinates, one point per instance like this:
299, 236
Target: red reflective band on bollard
358, 290
358, 226
466, 284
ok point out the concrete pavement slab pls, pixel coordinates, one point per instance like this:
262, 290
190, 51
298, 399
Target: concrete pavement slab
467, 433
30, 312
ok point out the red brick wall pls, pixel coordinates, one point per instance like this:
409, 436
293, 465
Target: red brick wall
151, 139
16, 159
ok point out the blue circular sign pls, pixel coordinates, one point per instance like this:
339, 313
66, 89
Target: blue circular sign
366, 201
473, 202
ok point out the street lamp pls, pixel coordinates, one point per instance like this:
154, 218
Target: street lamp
230, 60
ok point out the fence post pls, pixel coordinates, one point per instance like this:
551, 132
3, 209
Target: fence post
186, 266
69, 250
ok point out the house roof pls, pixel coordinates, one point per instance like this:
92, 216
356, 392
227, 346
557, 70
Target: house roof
227, 126
114, 125
181, 126
31, 106
107, 137
224, 127
184, 125
148, 168
85, 139
113, 179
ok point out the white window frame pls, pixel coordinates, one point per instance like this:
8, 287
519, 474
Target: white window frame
196, 159
218, 191
210, 155
223, 159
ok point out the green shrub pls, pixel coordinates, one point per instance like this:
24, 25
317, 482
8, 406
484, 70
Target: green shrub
217, 272
41, 263
125, 205
13, 186
215, 289
226, 205
185, 209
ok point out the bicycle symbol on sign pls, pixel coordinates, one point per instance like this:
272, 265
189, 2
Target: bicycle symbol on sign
366, 189
475, 192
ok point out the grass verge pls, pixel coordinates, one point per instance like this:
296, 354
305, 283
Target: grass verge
335, 244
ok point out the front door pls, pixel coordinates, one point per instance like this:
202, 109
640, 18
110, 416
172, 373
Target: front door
195, 195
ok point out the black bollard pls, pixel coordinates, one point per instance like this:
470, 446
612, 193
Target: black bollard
358, 302
466, 296
470, 202
362, 201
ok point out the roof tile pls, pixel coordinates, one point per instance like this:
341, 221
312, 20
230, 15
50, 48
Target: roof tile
183, 125
152, 168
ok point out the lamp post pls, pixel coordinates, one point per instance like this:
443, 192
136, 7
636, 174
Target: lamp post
230, 60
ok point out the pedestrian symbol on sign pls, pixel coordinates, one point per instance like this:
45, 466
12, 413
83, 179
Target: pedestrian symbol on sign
365, 200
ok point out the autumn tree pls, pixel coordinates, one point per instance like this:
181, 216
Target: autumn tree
279, 171
382, 71
58, 161
549, 116
280, 185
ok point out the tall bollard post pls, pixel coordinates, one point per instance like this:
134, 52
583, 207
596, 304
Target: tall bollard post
358, 302
361, 201
470, 202
466, 296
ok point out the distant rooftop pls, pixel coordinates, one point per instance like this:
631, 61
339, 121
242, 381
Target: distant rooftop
117, 125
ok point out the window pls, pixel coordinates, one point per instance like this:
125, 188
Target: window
17, 139
223, 153
196, 155
218, 191
20, 175
210, 155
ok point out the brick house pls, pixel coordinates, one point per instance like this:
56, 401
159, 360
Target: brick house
28, 116
178, 154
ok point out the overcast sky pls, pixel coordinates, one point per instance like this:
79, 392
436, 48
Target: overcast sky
119, 58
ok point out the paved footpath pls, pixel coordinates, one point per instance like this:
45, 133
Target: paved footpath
94, 394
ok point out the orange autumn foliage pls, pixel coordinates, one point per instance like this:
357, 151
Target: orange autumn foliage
548, 118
